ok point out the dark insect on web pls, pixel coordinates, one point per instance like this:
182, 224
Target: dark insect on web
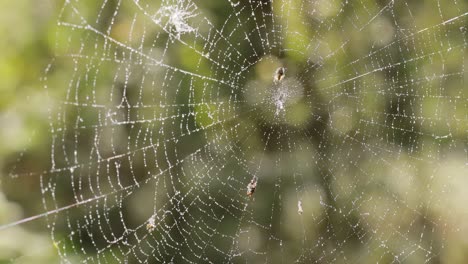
279, 74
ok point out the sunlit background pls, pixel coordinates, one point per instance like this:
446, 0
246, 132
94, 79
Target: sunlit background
129, 131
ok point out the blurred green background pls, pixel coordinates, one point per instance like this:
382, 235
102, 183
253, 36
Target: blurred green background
141, 112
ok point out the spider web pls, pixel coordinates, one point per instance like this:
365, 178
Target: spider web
170, 109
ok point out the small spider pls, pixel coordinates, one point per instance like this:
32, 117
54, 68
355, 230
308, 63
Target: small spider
251, 186
279, 74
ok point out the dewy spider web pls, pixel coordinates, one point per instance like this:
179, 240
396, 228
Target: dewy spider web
171, 109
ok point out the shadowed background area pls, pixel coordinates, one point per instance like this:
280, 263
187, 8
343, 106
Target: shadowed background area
130, 131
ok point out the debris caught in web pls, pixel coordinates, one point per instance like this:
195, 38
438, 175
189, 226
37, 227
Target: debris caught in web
151, 225
176, 19
251, 186
299, 207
